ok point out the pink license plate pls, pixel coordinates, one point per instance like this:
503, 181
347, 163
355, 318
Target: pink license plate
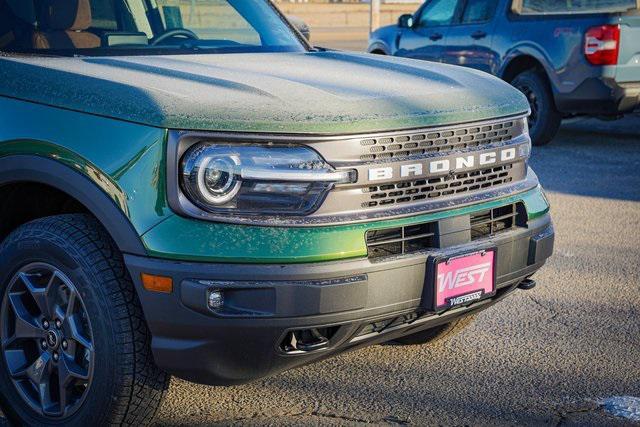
463, 279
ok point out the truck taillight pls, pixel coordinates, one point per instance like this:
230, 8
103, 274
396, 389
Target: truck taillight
601, 44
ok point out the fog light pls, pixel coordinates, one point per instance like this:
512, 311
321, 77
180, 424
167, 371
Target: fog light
215, 299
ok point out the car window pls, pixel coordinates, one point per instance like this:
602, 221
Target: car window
212, 20
438, 12
530, 7
104, 15
477, 11
129, 27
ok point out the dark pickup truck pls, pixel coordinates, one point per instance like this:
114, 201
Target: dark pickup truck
568, 57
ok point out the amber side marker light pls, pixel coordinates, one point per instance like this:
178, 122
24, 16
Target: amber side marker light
157, 283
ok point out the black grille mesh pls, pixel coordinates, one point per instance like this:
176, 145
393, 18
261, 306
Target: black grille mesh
398, 147
414, 238
412, 191
493, 221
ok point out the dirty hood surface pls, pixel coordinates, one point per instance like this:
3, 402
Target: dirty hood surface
313, 93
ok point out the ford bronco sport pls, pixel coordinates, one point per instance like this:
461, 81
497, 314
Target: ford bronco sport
188, 188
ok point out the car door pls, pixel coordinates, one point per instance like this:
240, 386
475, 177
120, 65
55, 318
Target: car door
469, 39
425, 39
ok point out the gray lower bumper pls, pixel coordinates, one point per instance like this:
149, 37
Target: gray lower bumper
265, 302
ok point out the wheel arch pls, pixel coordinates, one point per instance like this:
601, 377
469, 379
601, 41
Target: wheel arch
526, 58
519, 64
36, 170
378, 48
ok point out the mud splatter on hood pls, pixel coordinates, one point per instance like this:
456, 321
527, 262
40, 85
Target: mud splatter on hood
316, 92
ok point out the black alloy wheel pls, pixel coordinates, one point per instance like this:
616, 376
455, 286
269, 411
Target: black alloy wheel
75, 347
47, 340
545, 119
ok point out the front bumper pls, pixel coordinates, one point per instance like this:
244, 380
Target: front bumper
356, 302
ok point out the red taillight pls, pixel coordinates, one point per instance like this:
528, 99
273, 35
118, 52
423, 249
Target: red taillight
601, 44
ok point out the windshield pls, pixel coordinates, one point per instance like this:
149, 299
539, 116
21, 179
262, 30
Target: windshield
146, 27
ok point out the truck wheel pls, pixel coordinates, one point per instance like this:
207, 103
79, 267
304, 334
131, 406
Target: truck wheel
439, 333
545, 119
75, 348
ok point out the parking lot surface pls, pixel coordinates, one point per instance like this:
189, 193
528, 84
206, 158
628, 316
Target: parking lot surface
546, 357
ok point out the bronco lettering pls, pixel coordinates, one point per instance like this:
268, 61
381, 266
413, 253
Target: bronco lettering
440, 166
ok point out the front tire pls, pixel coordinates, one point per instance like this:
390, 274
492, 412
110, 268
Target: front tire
75, 349
438, 334
545, 119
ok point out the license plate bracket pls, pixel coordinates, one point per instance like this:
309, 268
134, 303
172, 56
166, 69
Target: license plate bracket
460, 279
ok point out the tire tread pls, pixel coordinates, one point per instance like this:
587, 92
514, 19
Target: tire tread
140, 386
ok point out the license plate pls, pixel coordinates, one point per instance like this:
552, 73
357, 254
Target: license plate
463, 279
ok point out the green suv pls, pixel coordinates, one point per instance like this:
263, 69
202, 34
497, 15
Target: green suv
188, 188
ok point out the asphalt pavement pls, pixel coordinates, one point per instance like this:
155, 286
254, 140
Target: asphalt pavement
550, 356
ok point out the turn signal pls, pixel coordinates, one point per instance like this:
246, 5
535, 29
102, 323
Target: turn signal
157, 283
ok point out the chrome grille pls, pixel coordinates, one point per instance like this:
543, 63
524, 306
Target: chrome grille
413, 191
402, 146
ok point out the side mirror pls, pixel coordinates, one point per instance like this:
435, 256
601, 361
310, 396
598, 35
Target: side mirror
300, 26
405, 21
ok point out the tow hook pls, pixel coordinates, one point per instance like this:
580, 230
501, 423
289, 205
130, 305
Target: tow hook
527, 284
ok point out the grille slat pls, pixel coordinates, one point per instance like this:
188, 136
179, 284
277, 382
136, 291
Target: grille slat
384, 242
409, 191
403, 146
418, 237
400, 240
490, 222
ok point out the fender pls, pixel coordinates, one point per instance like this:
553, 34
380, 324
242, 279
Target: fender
535, 51
41, 170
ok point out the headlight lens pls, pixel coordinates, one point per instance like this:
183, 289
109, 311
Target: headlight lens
217, 180
250, 179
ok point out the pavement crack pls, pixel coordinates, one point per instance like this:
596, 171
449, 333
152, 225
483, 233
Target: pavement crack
566, 414
538, 303
555, 315
392, 420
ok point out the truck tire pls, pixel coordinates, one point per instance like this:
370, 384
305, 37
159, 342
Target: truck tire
437, 334
545, 119
75, 348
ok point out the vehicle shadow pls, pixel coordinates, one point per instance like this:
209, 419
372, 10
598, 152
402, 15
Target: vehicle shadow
593, 158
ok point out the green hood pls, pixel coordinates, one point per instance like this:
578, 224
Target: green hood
317, 92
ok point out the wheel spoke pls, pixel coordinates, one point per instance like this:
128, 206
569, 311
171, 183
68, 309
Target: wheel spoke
69, 370
63, 393
26, 325
47, 404
75, 332
37, 372
70, 304
39, 295
8, 342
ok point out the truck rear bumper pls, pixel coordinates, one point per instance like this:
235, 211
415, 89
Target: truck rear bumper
350, 303
600, 96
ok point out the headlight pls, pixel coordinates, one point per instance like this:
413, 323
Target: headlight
251, 179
